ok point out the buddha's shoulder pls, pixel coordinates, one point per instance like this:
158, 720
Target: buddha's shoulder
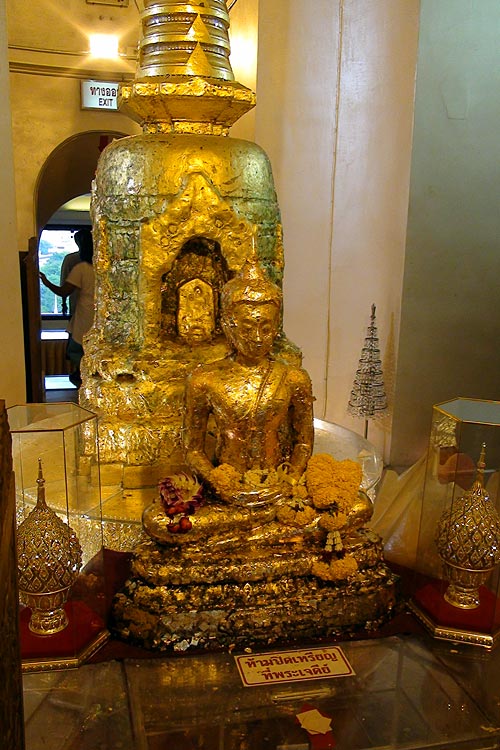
291, 371
208, 370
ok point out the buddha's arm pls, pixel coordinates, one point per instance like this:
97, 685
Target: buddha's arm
196, 420
302, 423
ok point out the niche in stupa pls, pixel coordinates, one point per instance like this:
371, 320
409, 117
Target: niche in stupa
190, 293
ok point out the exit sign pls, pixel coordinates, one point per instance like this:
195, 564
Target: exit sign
99, 95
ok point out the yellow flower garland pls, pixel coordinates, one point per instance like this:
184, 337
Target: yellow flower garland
300, 517
333, 483
226, 480
337, 570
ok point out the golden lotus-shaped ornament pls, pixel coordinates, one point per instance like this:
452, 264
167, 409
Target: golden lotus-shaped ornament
49, 558
468, 542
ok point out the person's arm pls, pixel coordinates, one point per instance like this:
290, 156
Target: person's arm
62, 278
61, 291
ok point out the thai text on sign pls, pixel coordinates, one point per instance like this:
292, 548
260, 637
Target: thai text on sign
99, 95
293, 666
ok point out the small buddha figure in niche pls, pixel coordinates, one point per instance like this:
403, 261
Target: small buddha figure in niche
195, 312
261, 405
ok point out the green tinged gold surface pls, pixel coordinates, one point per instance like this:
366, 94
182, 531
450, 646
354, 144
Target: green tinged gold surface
174, 212
167, 210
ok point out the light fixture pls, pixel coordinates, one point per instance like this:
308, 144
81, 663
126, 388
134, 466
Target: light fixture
104, 46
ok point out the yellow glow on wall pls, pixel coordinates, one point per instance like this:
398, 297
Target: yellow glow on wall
104, 46
243, 58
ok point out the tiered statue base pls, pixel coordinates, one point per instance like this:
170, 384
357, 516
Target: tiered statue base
255, 591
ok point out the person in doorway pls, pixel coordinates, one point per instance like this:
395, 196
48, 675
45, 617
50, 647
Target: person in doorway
69, 262
81, 280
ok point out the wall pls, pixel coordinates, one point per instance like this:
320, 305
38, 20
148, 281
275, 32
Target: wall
295, 124
48, 59
243, 37
38, 130
12, 383
372, 173
335, 115
450, 324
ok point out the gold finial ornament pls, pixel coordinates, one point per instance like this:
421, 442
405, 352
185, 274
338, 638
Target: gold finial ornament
184, 81
185, 39
468, 542
49, 557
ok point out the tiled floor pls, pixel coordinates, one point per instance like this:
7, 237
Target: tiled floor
407, 692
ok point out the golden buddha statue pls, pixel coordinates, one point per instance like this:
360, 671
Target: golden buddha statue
289, 554
262, 406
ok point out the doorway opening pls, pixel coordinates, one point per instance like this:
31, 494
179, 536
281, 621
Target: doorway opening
62, 206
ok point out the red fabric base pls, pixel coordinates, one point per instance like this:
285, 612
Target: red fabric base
483, 619
83, 627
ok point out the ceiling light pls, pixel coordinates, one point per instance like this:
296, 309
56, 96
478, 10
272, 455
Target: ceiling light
104, 46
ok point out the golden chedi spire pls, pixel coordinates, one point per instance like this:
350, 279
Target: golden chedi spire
184, 81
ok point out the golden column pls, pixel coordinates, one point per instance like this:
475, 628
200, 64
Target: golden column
176, 211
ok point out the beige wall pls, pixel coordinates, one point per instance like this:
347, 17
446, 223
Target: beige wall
335, 113
45, 112
295, 124
372, 173
48, 58
243, 36
12, 380
450, 325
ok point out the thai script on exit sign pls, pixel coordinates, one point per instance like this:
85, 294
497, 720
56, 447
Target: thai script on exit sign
99, 95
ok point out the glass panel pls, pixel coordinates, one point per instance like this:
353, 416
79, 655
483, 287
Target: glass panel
471, 410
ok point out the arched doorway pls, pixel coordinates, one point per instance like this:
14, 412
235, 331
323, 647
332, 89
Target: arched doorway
66, 174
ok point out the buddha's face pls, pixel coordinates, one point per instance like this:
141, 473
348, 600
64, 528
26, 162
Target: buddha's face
252, 328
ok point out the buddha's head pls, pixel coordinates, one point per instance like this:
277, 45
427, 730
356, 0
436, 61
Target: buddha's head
250, 311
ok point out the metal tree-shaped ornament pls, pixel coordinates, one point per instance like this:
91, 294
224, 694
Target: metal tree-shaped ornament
368, 398
49, 557
468, 542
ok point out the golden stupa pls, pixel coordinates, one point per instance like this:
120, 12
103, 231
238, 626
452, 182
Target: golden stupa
251, 539
179, 203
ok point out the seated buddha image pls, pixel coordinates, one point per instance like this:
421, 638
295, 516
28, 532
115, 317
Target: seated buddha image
248, 437
261, 406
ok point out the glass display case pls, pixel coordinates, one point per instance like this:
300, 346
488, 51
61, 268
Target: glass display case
458, 552
60, 535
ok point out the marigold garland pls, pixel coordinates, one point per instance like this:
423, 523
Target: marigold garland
336, 570
332, 522
225, 479
333, 483
330, 485
299, 517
